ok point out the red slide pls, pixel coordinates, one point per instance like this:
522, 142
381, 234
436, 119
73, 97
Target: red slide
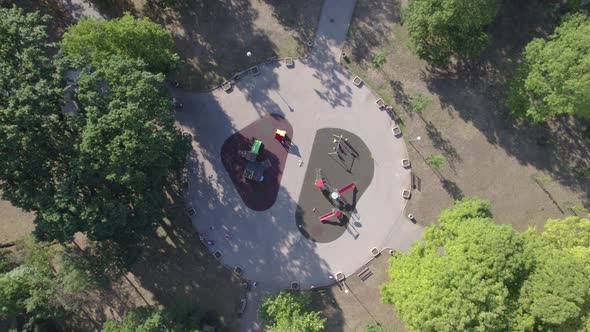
331, 214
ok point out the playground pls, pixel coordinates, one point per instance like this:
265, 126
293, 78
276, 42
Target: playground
339, 171
252, 225
326, 200
255, 159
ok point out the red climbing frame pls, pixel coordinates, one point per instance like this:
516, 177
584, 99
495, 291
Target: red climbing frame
346, 188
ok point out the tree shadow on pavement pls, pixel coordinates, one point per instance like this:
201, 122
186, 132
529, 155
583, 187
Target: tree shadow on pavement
266, 244
176, 265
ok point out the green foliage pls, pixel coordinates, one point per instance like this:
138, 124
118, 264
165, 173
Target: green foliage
287, 312
553, 78
436, 161
141, 319
568, 233
4, 261
379, 59
572, 235
471, 274
419, 102
101, 171
126, 37
581, 172
31, 288
128, 144
185, 315
555, 294
467, 208
378, 328
31, 133
147, 320
440, 29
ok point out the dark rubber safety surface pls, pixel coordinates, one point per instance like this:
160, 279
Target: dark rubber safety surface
354, 164
258, 196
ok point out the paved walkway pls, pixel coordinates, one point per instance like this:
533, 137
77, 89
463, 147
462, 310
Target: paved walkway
316, 93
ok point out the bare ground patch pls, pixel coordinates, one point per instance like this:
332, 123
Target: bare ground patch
528, 171
353, 310
14, 223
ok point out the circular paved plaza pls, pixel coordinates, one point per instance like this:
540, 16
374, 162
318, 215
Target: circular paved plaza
268, 242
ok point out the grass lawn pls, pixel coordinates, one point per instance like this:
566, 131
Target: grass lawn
212, 37
530, 172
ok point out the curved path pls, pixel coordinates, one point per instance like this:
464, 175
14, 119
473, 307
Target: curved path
316, 93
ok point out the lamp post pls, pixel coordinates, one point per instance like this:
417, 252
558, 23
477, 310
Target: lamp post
415, 139
249, 55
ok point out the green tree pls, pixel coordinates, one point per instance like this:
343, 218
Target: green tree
467, 208
101, 171
555, 294
287, 312
141, 319
40, 284
553, 77
440, 29
460, 277
29, 289
128, 145
471, 274
32, 132
126, 36
572, 235
150, 320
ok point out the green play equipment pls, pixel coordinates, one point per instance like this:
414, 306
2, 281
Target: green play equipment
256, 147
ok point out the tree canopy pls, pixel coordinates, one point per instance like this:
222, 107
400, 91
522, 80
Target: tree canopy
103, 169
31, 129
126, 36
440, 29
127, 146
554, 77
31, 288
287, 312
153, 320
469, 273
141, 319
